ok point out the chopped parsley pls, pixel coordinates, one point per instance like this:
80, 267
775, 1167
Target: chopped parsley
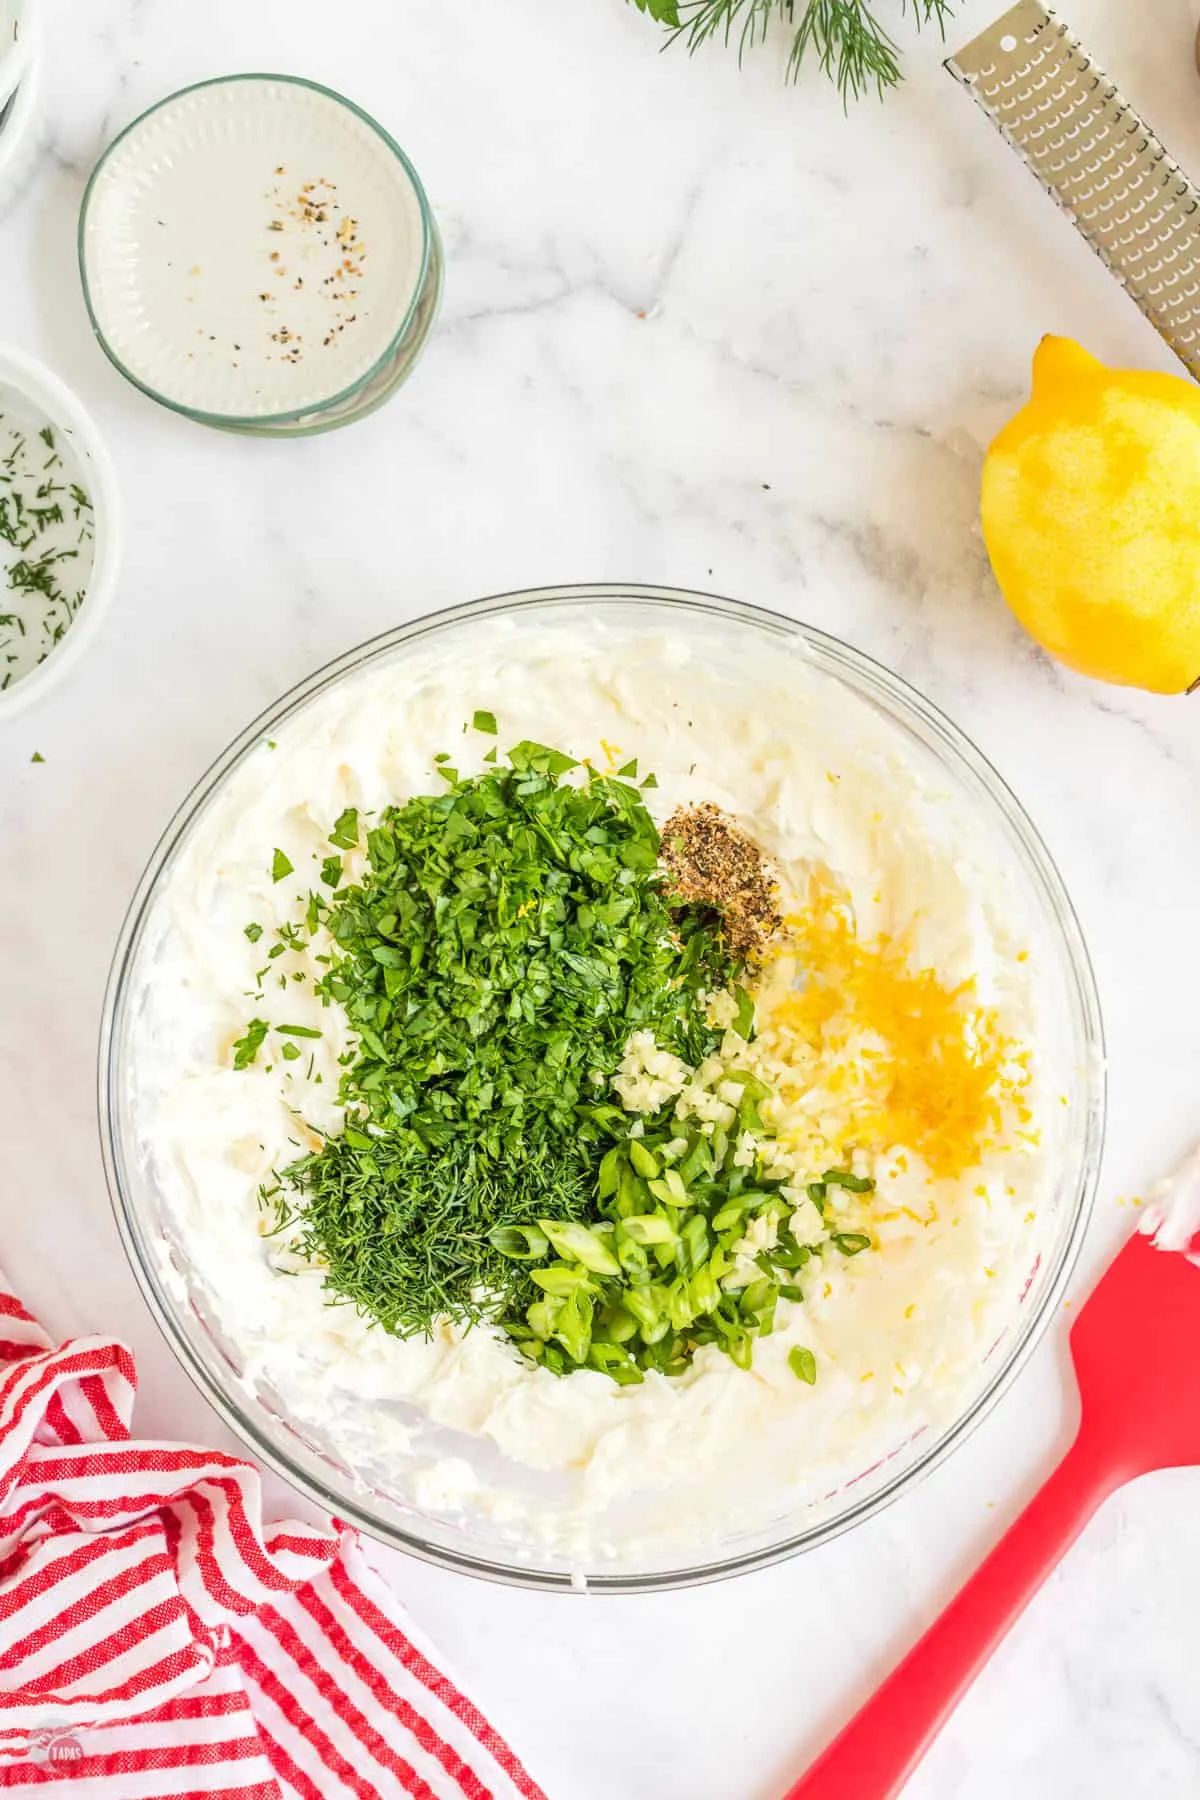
246, 1049
345, 830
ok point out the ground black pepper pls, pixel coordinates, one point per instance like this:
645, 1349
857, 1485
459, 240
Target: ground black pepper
710, 861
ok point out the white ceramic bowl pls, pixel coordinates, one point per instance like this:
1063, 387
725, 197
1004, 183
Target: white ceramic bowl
18, 43
20, 133
32, 395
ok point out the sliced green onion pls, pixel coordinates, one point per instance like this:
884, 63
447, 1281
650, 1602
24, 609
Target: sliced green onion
612, 1360
643, 1160
851, 1243
560, 1279
694, 1243
680, 1310
610, 1173
759, 1295
574, 1328
617, 1324
649, 1308
696, 1161
670, 1190
843, 1178
524, 1243
648, 1228
632, 1193
791, 1259
543, 1317
633, 1259
705, 1290
730, 1214
584, 1246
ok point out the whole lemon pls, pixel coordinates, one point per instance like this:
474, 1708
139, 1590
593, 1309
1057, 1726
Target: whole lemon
1091, 514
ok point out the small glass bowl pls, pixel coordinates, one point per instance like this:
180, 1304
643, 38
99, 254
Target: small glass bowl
473, 1544
176, 232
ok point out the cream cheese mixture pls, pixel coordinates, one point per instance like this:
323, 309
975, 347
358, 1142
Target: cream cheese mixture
459, 1426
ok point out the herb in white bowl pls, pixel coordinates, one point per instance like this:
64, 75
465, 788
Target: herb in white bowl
46, 540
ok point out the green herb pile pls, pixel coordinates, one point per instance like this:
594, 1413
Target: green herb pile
846, 39
658, 1275
508, 937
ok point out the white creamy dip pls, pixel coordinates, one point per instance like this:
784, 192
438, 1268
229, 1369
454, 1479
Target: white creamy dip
460, 1428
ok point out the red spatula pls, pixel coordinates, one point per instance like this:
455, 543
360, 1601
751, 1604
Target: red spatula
1136, 1347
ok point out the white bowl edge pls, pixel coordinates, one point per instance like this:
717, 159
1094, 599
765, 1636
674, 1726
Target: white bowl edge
62, 407
17, 53
21, 135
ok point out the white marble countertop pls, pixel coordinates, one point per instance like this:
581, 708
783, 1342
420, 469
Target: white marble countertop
699, 329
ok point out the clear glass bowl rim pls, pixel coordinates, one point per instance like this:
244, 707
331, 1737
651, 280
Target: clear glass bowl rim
237, 420
898, 698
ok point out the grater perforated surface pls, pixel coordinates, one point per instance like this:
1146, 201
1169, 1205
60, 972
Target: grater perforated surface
1098, 159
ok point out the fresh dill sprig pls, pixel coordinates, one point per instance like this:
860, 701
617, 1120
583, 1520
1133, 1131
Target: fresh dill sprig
848, 41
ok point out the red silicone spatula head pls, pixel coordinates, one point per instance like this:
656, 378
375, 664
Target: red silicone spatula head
1136, 1346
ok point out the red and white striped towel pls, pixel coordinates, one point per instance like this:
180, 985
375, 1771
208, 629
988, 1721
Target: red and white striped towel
157, 1640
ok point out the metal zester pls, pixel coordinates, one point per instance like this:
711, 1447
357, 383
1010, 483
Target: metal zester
1093, 154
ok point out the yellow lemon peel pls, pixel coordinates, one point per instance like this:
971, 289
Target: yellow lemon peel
1090, 500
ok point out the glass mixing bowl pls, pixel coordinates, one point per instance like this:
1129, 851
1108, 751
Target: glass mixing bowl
429, 1527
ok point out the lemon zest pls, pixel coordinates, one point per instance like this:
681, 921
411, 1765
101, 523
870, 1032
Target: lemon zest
911, 1059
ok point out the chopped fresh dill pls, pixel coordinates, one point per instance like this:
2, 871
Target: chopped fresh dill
39, 543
